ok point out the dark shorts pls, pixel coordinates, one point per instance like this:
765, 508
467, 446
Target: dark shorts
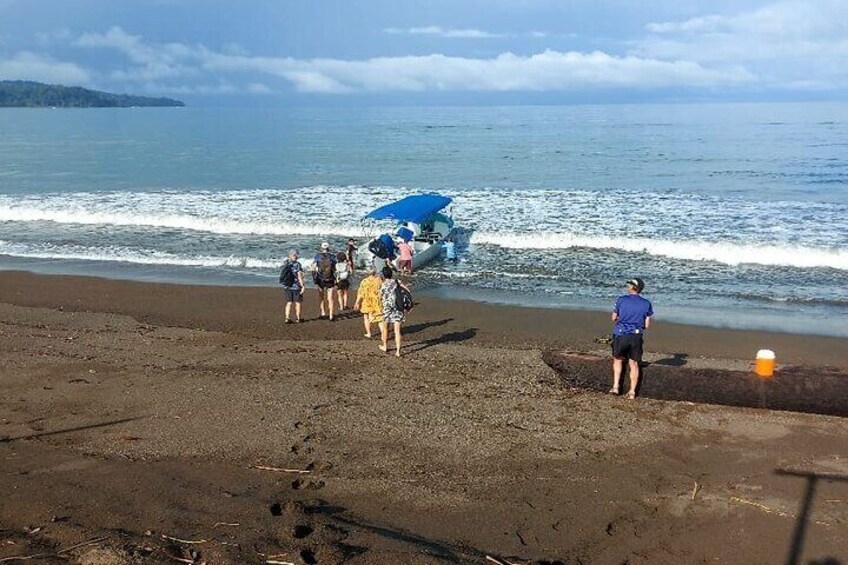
293, 295
343, 284
324, 285
627, 347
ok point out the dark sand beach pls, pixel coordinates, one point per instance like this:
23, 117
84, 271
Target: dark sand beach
153, 423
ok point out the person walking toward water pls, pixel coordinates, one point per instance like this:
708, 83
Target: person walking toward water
343, 272
393, 312
351, 254
405, 253
369, 302
291, 277
632, 316
324, 276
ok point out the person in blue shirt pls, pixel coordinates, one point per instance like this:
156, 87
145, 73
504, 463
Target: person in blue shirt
632, 316
291, 277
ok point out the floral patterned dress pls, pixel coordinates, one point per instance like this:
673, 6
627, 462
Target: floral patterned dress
390, 312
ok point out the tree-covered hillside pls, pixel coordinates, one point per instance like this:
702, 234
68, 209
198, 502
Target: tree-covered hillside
23, 93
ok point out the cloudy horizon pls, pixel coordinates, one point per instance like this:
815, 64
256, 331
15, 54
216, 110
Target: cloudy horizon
264, 50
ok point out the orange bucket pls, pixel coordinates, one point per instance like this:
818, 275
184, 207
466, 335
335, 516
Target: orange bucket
764, 366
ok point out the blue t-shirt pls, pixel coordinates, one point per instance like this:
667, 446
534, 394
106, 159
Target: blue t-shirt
632, 309
296, 268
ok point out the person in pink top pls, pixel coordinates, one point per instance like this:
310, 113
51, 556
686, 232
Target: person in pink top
405, 257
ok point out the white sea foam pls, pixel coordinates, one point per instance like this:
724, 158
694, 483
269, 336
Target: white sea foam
728, 253
178, 222
688, 227
133, 256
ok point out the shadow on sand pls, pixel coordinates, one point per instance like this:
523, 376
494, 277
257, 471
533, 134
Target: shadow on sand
804, 513
451, 553
76, 429
453, 337
415, 328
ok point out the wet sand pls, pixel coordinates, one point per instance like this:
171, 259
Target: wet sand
161, 420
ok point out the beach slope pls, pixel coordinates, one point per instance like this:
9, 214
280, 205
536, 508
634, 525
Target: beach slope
151, 423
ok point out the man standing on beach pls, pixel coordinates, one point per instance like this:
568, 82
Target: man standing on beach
291, 277
324, 276
632, 316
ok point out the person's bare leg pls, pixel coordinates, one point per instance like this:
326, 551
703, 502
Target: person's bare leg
397, 339
366, 321
321, 302
384, 336
634, 378
617, 366
330, 301
297, 306
288, 310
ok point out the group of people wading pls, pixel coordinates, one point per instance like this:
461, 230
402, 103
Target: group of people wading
381, 297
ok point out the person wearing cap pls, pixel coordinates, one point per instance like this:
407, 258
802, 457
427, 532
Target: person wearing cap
324, 277
291, 277
632, 316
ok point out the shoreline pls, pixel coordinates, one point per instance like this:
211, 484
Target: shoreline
145, 422
763, 317
257, 311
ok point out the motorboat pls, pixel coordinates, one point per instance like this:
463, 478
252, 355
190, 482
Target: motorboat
419, 220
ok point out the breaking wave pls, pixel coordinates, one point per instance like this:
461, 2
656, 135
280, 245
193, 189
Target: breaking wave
727, 253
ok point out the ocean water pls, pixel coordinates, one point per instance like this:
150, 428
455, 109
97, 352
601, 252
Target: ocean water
735, 215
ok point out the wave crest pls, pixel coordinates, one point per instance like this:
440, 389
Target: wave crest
727, 253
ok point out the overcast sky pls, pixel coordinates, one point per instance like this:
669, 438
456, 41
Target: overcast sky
432, 50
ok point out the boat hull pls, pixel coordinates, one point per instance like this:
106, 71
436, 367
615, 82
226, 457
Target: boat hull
797, 389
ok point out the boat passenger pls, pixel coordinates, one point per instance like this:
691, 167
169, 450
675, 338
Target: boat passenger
343, 272
324, 277
351, 254
392, 314
368, 300
405, 253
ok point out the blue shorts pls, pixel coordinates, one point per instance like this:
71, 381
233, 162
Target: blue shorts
293, 295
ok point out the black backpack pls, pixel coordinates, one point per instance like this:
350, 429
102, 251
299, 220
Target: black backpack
403, 299
378, 248
287, 277
325, 268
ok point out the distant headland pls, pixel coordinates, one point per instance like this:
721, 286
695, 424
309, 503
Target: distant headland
29, 94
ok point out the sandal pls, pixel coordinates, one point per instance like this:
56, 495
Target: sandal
631, 396
613, 391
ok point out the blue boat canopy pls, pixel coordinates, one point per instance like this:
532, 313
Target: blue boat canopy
416, 208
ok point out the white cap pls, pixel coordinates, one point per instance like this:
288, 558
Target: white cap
765, 354
325, 245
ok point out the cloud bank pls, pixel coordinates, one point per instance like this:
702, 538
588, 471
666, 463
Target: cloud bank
25, 65
546, 71
439, 31
792, 44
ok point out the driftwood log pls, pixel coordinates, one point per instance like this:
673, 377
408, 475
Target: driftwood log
817, 390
